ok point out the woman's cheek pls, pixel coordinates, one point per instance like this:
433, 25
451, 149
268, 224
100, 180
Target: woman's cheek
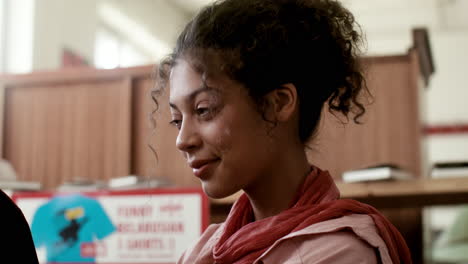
219, 136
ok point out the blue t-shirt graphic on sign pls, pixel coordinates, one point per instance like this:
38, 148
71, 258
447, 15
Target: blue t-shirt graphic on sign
67, 225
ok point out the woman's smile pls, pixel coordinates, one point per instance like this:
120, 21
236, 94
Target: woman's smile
204, 168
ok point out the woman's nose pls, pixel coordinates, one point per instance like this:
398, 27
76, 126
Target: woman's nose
188, 138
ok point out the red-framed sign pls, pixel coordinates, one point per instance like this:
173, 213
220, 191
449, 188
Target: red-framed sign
135, 226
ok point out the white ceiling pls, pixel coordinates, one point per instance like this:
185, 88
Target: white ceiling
386, 23
190, 6
386, 15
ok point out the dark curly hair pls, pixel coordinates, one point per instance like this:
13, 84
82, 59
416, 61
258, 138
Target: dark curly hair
263, 44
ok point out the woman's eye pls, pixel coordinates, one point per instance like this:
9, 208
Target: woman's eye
176, 122
201, 111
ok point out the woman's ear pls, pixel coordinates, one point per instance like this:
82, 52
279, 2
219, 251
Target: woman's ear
282, 102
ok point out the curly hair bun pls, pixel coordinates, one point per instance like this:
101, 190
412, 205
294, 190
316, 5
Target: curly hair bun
263, 44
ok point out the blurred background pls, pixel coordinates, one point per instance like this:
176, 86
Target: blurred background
55, 35
38, 35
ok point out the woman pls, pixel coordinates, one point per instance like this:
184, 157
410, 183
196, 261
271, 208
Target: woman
248, 80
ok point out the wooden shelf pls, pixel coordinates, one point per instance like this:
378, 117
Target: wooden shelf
20, 185
396, 194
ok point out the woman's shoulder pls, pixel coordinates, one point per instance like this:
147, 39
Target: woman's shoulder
348, 239
202, 248
335, 247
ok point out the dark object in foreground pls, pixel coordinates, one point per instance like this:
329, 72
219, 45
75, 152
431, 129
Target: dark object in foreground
16, 245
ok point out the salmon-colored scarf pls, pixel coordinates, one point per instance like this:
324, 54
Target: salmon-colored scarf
243, 241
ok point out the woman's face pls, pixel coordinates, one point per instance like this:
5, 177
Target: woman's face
222, 135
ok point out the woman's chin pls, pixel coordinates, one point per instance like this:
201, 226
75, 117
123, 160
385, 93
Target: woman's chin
216, 192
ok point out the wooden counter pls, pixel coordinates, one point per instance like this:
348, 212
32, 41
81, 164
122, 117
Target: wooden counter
397, 194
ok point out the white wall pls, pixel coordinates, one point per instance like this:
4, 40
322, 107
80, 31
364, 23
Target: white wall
2, 35
61, 24
448, 92
18, 30
37, 31
151, 25
448, 147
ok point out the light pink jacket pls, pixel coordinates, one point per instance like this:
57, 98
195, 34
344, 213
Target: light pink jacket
350, 239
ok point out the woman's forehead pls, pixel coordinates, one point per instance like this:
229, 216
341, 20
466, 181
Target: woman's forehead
183, 82
185, 71
186, 83
180, 68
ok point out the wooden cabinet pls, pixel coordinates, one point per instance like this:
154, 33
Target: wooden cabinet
87, 124
57, 127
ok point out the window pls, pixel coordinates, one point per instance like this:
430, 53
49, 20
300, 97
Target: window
112, 51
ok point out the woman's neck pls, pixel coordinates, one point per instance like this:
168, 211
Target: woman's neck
275, 192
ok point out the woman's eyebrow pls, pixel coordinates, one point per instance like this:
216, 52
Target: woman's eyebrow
194, 94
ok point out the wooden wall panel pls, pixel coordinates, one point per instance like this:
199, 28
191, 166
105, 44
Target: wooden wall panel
61, 131
170, 163
390, 132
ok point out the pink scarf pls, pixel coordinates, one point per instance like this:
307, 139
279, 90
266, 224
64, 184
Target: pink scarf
243, 241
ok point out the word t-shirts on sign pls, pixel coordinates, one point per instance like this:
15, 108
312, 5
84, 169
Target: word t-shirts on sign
140, 226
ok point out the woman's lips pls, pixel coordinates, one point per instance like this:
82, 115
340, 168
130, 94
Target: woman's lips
201, 168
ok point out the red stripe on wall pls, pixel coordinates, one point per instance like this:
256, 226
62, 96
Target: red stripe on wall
446, 129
